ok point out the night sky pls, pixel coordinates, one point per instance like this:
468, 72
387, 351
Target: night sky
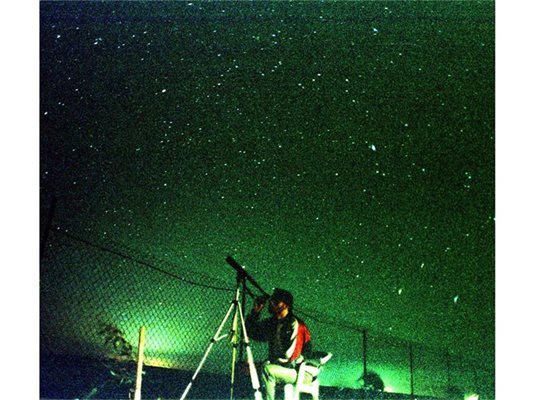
342, 150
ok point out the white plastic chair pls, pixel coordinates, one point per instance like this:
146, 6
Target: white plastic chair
307, 378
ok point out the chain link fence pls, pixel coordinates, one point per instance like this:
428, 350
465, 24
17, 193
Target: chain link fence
94, 298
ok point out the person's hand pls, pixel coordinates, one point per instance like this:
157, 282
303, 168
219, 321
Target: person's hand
259, 303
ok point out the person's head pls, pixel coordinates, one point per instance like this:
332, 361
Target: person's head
280, 301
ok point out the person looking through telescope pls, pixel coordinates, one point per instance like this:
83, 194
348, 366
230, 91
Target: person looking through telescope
288, 338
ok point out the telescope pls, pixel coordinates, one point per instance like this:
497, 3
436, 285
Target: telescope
243, 275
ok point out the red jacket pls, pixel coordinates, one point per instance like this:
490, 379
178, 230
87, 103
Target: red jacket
289, 338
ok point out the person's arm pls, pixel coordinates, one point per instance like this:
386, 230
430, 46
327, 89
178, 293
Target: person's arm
257, 329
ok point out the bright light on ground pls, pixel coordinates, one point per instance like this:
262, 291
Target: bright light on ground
471, 397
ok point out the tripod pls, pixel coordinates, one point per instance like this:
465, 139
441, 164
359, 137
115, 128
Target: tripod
237, 310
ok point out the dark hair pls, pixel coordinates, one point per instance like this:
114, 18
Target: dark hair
283, 295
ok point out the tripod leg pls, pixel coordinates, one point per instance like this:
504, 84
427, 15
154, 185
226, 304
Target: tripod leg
252, 367
213, 340
234, 341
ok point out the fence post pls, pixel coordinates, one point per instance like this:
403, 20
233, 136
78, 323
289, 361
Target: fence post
140, 360
411, 371
48, 226
448, 361
364, 352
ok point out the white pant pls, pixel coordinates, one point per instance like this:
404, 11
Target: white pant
273, 374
